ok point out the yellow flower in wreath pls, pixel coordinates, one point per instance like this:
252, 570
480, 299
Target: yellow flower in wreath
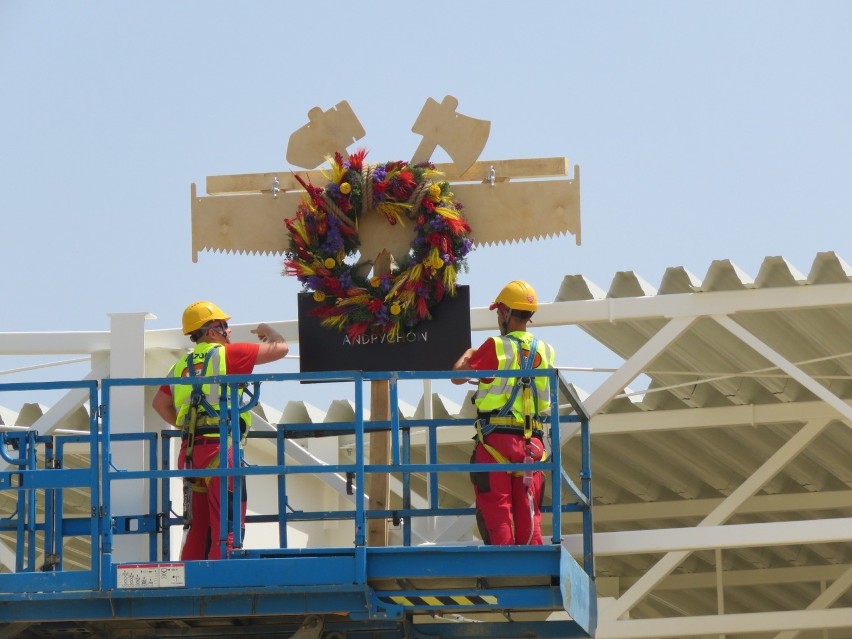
319, 296
346, 188
395, 309
329, 263
434, 260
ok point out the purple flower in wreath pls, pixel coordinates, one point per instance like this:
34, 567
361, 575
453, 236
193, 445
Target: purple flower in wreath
382, 315
439, 224
333, 190
346, 281
418, 242
333, 240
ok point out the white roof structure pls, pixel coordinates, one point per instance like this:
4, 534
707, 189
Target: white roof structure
723, 491
724, 488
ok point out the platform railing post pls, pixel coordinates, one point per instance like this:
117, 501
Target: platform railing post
281, 460
556, 460
102, 507
235, 481
166, 499
586, 485
360, 516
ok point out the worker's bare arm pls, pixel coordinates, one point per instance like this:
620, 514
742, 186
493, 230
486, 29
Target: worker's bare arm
165, 407
274, 346
463, 364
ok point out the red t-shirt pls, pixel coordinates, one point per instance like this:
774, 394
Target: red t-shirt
239, 360
485, 359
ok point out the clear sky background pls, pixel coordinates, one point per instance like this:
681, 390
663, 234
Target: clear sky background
704, 131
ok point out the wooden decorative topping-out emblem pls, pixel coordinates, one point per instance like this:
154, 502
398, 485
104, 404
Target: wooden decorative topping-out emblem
504, 200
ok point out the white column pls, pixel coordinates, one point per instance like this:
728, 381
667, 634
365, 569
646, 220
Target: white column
127, 415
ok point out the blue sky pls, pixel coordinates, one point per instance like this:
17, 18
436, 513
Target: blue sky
704, 130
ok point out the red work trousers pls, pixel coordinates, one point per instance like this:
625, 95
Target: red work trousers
507, 511
202, 538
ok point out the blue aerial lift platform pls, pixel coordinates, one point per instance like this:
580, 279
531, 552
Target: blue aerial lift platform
394, 591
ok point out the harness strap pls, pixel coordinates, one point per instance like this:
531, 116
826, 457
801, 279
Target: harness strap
499, 457
524, 383
196, 399
496, 420
496, 424
202, 429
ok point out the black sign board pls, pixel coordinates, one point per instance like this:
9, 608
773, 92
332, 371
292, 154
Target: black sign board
432, 345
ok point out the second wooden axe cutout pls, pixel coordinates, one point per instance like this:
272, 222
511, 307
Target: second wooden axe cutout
461, 136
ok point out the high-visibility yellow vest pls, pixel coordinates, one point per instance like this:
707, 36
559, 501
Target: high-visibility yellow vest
216, 365
494, 395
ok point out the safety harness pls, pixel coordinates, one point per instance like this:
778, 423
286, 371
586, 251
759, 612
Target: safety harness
503, 419
199, 408
196, 425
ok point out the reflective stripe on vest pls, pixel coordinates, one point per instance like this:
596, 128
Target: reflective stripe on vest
493, 396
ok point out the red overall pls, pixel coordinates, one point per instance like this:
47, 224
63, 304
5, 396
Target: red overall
202, 537
505, 513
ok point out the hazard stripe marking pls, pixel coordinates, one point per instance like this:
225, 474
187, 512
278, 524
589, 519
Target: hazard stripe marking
441, 600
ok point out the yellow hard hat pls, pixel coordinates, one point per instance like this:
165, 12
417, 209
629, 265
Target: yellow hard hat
517, 295
198, 314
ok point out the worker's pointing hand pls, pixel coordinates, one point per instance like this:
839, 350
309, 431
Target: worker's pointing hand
265, 333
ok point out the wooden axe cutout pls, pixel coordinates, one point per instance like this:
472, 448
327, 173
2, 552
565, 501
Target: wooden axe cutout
461, 136
325, 133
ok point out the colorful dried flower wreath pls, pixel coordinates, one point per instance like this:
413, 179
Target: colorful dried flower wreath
324, 233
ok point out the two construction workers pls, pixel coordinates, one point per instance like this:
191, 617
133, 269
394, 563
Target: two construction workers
508, 426
194, 408
508, 423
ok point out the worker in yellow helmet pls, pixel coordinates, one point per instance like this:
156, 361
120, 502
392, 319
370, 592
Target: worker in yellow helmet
182, 405
509, 428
